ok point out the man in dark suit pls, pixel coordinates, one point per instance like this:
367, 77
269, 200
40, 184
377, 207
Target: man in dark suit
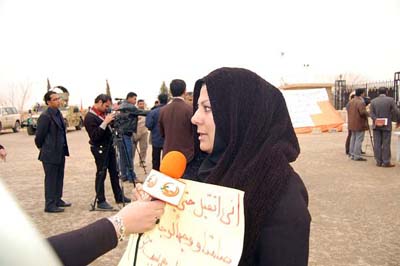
175, 125
52, 142
383, 111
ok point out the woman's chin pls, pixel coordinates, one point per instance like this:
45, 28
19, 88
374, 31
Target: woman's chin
205, 149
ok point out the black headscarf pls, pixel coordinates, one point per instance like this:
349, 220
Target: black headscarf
254, 143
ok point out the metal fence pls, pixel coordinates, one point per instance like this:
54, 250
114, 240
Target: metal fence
342, 91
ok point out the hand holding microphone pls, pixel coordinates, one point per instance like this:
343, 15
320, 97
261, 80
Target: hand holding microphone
145, 211
140, 216
172, 166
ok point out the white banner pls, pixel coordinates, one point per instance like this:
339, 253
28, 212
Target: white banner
302, 104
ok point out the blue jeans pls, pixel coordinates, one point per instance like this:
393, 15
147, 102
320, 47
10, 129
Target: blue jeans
126, 161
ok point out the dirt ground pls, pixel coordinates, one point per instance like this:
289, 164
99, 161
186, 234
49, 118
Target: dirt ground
354, 205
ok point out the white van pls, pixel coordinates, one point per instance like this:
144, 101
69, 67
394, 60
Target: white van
10, 119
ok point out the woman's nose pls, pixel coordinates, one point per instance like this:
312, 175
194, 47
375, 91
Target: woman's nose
194, 119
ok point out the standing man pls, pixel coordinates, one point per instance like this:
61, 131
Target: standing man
97, 126
51, 140
357, 124
382, 110
141, 136
175, 125
127, 151
156, 139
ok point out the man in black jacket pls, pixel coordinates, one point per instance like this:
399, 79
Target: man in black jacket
52, 142
97, 126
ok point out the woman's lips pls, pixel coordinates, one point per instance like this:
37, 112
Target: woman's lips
201, 135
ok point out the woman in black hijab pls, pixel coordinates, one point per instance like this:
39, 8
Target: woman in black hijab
244, 126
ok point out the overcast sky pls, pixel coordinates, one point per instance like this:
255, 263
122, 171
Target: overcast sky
138, 44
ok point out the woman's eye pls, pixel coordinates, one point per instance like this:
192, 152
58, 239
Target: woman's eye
207, 108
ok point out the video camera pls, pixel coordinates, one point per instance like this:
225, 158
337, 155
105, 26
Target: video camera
126, 118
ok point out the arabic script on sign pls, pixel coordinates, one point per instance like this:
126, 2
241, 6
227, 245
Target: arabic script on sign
206, 227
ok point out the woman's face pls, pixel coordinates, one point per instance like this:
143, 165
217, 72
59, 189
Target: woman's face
204, 120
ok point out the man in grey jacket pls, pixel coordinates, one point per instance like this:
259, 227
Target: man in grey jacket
383, 111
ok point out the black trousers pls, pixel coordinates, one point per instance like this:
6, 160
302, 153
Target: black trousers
106, 160
156, 157
53, 183
347, 145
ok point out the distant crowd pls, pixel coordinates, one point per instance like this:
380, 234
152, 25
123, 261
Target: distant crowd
383, 111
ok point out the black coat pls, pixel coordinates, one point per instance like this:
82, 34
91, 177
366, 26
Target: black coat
284, 238
98, 136
51, 138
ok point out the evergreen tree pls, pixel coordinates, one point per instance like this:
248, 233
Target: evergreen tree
164, 89
48, 84
108, 91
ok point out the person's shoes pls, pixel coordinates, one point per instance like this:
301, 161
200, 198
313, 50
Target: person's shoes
104, 205
53, 209
62, 203
126, 200
388, 165
378, 164
360, 159
362, 152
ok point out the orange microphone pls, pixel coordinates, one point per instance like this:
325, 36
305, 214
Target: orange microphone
173, 164
164, 184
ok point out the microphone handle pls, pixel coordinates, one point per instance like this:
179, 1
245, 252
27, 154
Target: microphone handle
158, 219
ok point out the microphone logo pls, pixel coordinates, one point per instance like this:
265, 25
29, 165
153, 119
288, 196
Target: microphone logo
170, 189
151, 181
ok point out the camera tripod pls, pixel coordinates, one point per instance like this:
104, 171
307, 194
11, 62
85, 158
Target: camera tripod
141, 161
371, 141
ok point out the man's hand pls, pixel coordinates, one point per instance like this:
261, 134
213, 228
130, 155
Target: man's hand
109, 118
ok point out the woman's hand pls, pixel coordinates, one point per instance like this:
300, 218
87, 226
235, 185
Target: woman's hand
141, 216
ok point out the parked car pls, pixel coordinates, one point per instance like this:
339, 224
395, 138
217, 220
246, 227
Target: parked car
10, 118
71, 114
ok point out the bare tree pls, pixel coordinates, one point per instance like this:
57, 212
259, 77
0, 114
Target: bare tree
19, 94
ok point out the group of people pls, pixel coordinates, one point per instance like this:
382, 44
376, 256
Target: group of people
383, 111
239, 122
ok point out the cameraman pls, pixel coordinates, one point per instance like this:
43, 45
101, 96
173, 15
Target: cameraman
128, 173
97, 126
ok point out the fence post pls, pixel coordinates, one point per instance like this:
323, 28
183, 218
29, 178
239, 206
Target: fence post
340, 87
396, 87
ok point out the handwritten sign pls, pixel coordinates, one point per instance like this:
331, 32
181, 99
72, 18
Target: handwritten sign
205, 228
302, 104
